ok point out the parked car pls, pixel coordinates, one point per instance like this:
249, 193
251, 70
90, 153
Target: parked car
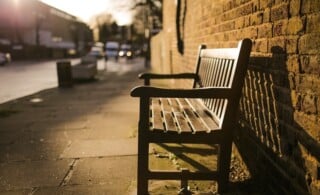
96, 52
111, 50
4, 58
126, 51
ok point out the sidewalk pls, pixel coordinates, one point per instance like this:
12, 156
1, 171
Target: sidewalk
71, 141
82, 140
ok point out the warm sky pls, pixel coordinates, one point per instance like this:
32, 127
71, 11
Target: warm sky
85, 9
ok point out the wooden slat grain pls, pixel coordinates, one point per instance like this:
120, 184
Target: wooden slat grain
181, 120
190, 116
208, 120
156, 116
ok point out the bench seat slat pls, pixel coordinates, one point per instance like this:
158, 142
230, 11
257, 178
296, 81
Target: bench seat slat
168, 116
191, 116
181, 115
207, 118
169, 122
156, 118
182, 121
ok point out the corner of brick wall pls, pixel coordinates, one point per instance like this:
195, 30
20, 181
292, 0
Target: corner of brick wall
279, 131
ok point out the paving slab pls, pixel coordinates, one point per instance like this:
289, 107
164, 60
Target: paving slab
83, 190
8, 137
105, 171
110, 175
30, 174
32, 151
107, 125
100, 148
17, 192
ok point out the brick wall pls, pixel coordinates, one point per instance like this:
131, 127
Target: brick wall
279, 131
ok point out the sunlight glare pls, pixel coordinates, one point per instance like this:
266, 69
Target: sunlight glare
16, 2
85, 9
123, 18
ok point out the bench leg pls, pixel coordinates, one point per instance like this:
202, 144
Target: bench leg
224, 166
143, 166
143, 147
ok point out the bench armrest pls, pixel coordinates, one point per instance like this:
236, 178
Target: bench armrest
207, 92
148, 76
168, 76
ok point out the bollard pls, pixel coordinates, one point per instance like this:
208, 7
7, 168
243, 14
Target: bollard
64, 74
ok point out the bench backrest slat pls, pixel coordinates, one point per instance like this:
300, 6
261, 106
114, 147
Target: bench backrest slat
218, 68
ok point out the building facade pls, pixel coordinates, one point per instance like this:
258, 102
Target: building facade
26, 26
279, 129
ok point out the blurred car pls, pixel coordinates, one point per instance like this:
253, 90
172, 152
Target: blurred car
96, 52
111, 50
4, 58
126, 51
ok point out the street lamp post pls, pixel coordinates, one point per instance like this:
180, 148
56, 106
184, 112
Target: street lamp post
39, 17
147, 36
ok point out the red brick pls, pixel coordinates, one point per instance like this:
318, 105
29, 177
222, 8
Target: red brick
292, 44
308, 82
265, 30
239, 23
296, 25
227, 26
308, 121
279, 1
309, 43
313, 23
246, 21
295, 7
255, 5
293, 64
280, 28
250, 32
310, 6
310, 64
265, 3
226, 5
267, 15
256, 18
279, 12
296, 100
261, 45
292, 81
244, 10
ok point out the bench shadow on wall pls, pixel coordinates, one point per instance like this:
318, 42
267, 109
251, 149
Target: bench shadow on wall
269, 137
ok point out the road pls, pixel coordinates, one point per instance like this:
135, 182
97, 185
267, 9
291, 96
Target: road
21, 78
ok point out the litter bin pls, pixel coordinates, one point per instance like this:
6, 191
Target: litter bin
64, 74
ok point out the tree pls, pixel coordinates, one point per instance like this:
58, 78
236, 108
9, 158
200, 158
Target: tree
151, 9
108, 29
103, 24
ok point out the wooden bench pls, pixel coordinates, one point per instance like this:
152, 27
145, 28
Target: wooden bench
205, 114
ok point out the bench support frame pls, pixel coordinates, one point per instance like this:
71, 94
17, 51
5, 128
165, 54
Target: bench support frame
219, 88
